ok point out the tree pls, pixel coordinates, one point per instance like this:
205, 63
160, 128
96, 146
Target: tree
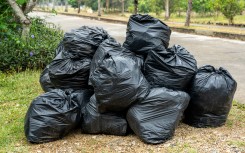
144, 6
99, 9
66, 5
47, 3
53, 5
178, 6
122, 7
107, 5
167, 10
78, 6
155, 6
73, 3
42, 4
188, 13
135, 6
62, 4
92, 3
215, 6
231, 8
27, 7
202, 6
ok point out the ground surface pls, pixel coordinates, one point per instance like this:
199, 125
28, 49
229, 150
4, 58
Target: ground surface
218, 52
19, 89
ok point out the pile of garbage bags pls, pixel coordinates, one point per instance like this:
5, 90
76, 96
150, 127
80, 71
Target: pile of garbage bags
102, 87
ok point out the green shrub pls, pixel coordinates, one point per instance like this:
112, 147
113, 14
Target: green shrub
35, 53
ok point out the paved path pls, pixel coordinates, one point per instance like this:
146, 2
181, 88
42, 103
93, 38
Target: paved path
229, 54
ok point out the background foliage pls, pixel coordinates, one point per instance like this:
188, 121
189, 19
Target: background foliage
229, 8
17, 54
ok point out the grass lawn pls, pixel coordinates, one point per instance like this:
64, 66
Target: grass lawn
239, 19
17, 91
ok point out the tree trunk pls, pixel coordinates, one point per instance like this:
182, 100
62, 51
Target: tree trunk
122, 7
29, 6
179, 9
26, 23
107, 5
78, 6
62, 5
53, 7
231, 20
166, 9
99, 9
188, 13
42, 4
66, 5
135, 6
25, 31
47, 2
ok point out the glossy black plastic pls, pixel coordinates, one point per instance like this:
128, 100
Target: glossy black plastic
45, 81
116, 77
145, 33
94, 122
155, 118
84, 41
211, 93
54, 114
173, 68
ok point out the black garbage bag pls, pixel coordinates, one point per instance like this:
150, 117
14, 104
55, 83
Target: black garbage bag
109, 46
82, 97
44, 80
145, 33
84, 41
112, 47
211, 93
70, 72
155, 118
173, 68
118, 82
140, 60
60, 48
54, 114
94, 122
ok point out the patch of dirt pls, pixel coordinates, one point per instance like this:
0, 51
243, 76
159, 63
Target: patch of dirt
187, 139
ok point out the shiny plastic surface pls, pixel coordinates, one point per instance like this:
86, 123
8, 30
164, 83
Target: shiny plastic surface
173, 68
145, 33
155, 118
54, 114
211, 93
94, 122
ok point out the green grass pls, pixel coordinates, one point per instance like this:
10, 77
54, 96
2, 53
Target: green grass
236, 116
16, 92
239, 19
237, 143
197, 18
19, 89
182, 148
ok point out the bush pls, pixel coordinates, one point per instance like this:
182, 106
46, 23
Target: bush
231, 8
35, 53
